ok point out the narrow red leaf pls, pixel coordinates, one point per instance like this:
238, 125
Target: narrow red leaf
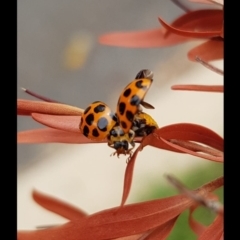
27, 106
214, 231
162, 232
48, 135
208, 51
197, 154
116, 222
197, 227
183, 131
141, 39
124, 221
197, 24
200, 88
57, 206
128, 176
65, 123
155, 141
133, 237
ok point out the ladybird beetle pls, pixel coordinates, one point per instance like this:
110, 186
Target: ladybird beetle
99, 122
131, 98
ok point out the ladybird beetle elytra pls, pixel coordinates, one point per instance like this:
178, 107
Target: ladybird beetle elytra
99, 122
130, 100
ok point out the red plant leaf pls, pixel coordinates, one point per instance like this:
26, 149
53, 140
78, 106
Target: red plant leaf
141, 39
57, 206
214, 231
208, 51
197, 227
162, 232
115, 222
48, 135
201, 155
201, 88
124, 221
26, 107
65, 123
197, 24
132, 237
183, 131
128, 176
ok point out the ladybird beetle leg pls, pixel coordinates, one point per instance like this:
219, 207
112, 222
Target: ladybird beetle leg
114, 153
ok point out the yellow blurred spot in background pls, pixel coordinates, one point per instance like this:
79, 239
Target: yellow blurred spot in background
77, 50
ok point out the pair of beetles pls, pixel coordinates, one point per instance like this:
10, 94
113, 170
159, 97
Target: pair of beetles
99, 122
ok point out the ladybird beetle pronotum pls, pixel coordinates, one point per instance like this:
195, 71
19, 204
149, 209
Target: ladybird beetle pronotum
99, 122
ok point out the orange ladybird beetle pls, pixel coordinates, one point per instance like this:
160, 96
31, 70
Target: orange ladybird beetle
99, 122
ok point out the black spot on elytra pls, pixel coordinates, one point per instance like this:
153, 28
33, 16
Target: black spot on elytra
99, 108
127, 92
89, 119
139, 84
86, 110
129, 116
85, 131
135, 100
123, 124
121, 107
95, 132
102, 124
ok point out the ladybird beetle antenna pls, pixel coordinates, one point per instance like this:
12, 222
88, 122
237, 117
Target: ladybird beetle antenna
145, 73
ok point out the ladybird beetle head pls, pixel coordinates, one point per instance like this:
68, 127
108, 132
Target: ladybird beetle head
120, 141
121, 145
145, 73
